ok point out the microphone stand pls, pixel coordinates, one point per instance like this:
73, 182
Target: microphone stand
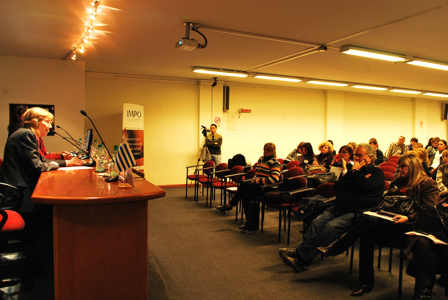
97, 132
71, 137
69, 141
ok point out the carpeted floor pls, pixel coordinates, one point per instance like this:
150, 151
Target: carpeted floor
197, 253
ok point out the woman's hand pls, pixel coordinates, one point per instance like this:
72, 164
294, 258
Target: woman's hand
74, 162
400, 219
67, 155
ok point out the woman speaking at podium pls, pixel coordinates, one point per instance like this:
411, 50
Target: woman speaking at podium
22, 166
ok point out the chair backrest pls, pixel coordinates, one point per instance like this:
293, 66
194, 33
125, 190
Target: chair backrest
292, 163
221, 166
208, 167
292, 182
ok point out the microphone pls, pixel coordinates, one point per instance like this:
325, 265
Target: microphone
83, 112
69, 141
70, 136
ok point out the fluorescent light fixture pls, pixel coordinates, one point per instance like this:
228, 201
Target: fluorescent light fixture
369, 87
374, 54
405, 91
436, 95
220, 72
327, 83
428, 64
278, 78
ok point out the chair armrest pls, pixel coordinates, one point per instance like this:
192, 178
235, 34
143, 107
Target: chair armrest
299, 191
235, 174
329, 200
194, 166
7, 185
296, 177
222, 171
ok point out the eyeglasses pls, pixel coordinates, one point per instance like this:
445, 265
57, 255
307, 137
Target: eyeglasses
358, 154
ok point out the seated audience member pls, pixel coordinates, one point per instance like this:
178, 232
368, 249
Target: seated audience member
438, 155
332, 145
356, 190
422, 155
442, 175
432, 149
396, 149
295, 154
267, 171
344, 158
413, 144
423, 193
428, 258
379, 154
325, 156
307, 156
353, 145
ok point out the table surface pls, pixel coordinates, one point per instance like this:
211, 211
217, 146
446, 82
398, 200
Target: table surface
71, 187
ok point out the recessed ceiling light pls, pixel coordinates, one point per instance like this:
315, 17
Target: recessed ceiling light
278, 78
428, 64
405, 91
331, 83
436, 95
374, 54
369, 87
220, 72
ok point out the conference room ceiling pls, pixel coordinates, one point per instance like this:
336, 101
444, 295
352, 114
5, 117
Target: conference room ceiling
140, 38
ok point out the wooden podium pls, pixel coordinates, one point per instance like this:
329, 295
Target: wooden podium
99, 235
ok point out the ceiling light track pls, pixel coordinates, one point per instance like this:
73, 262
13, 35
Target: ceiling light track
294, 56
315, 81
258, 36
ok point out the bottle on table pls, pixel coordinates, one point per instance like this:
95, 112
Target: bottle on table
101, 161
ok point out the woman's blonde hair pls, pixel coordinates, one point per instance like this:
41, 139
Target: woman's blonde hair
271, 148
416, 173
32, 116
328, 144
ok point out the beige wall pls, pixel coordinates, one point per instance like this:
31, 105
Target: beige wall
171, 124
43, 81
175, 109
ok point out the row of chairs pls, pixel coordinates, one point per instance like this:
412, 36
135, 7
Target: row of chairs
288, 197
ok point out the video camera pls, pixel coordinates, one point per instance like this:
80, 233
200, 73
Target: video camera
204, 130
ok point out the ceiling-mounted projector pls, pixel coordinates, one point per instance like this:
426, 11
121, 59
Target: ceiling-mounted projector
187, 43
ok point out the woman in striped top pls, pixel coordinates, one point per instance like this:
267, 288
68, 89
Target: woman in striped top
267, 171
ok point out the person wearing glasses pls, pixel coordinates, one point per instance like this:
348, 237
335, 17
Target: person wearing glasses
356, 190
422, 190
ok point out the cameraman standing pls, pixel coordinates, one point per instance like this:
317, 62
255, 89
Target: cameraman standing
213, 141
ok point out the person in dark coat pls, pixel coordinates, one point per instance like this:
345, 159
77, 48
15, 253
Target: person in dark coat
357, 189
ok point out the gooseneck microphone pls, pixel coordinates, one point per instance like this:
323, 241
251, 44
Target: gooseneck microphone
83, 112
69, 141
69, 135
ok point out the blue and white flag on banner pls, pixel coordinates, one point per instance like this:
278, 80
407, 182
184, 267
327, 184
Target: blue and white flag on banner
125, 159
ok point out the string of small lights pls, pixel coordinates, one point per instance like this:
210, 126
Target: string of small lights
93, 11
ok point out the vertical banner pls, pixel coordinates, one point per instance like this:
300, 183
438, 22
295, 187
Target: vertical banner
133, 132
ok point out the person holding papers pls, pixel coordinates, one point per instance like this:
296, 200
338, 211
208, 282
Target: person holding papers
422, 190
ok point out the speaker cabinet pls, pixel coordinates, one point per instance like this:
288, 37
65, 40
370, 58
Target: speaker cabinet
225, 98
444, 111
